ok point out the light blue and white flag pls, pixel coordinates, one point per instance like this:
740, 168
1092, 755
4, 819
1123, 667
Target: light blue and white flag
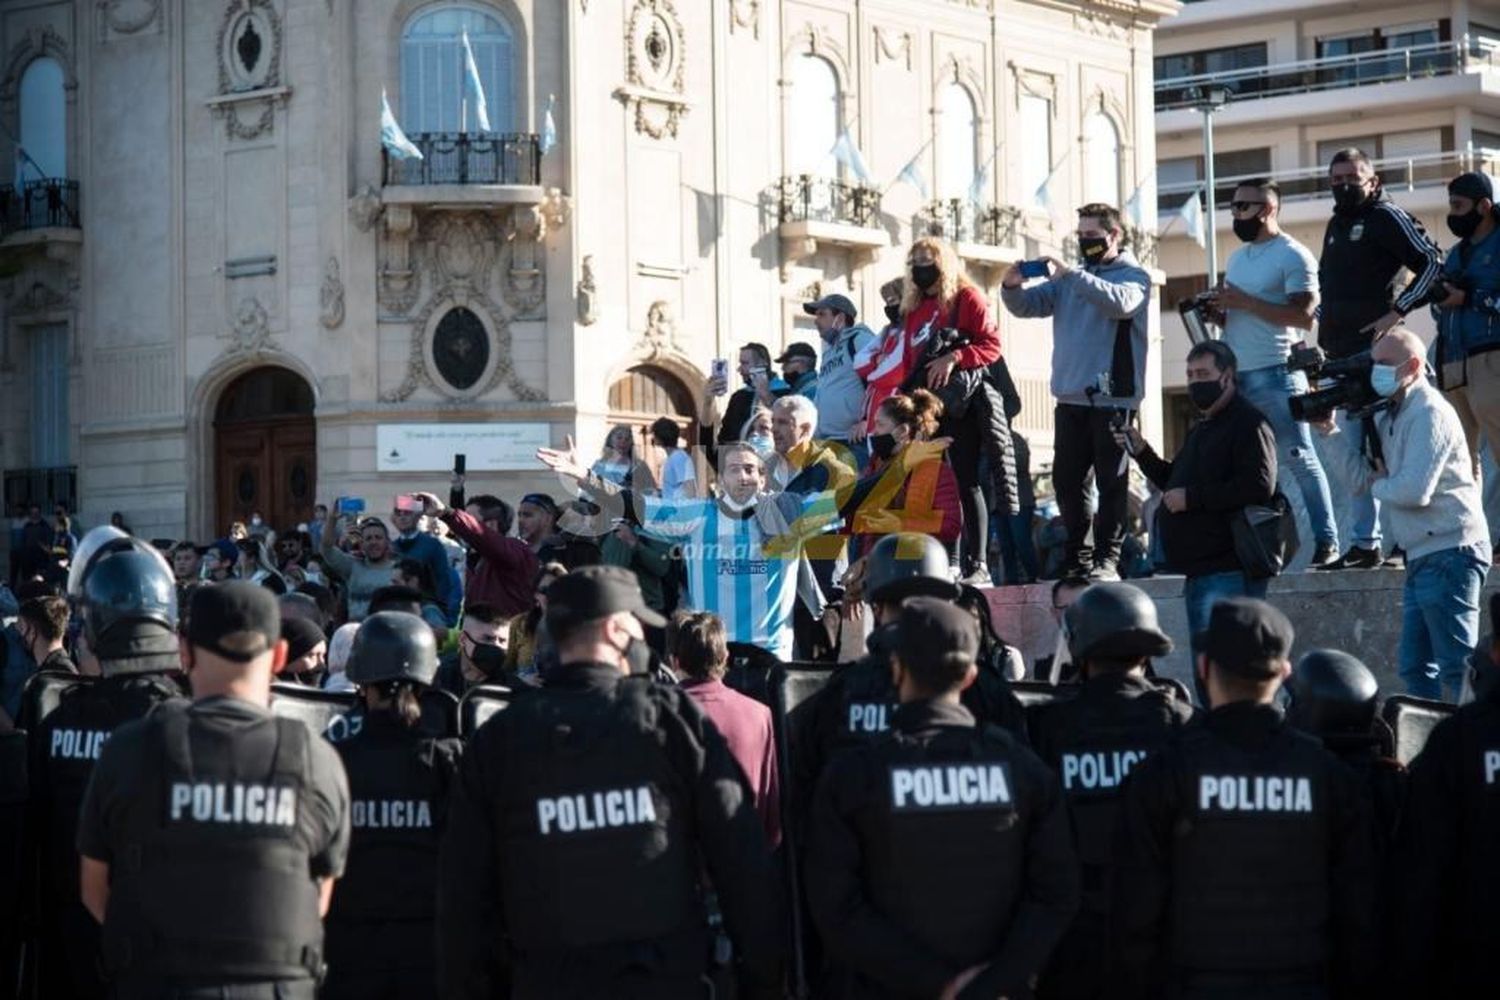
474, 89
549, 126
979, 187
912, 174
847, 153
1043, 195
1191, 214
391, 136
1135, 207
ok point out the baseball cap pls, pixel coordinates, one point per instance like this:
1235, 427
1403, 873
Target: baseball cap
229, 608
836, 302
595, 592
1473, 185
1245, 635
800, 349
933, 631
543, 501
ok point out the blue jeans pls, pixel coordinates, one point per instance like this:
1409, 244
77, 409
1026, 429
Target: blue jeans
1267, 389
1017, 553
1440, 620
1364, 509
1200, 594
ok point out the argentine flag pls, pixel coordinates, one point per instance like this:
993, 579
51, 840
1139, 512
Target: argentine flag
1192, 217
912, 174
391, 136
847, 153
473, 89
549, 126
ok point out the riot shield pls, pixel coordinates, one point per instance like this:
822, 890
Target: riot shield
439, 714
313, 706
43, 693
478, 705
13, 790
1413, 720
1035, 694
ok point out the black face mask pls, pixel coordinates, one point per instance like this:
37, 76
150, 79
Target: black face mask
925, 275
1093, 248
1348, 198
639, 657
1463, 226
1248, 229
883, 446
487, 659
1205, 394
893, 313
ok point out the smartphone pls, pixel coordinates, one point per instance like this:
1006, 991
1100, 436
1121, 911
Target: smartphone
720, 371
407, 502
460, 463
349, 505
1032, 269
1119, 419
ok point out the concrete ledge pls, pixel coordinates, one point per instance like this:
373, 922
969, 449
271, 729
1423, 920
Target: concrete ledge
1358, 611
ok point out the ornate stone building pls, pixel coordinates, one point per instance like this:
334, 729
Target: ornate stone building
220, 295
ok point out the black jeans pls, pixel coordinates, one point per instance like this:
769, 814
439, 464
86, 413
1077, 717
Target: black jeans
1082, 440
964, 454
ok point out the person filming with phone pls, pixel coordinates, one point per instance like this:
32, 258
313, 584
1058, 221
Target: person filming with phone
1099, 313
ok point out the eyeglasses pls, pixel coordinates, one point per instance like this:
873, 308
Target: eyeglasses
1245, 206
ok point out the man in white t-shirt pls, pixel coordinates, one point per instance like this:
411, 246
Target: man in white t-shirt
679, 480
1269, 297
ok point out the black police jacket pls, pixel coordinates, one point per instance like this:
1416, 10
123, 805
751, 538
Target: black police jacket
1243, 860
1447, 868
575, 836
941, 847
382, 914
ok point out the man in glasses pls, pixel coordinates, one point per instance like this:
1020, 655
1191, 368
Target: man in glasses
1269, 298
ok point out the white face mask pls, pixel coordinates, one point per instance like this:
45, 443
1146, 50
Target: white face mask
736, 505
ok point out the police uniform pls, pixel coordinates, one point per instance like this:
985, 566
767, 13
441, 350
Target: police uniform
127, 598
941, 847
1243, 867
217, 821
380, 926
577, 831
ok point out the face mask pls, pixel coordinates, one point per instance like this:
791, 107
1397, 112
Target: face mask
763, 444
736, 505
1093, 248
1384, 380
1248, 229
883, 446
1347, 197
487, 659
925, 275
1463, 226
893, 313
1205, 394
638, 656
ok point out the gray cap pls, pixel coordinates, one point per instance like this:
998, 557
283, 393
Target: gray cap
836, 302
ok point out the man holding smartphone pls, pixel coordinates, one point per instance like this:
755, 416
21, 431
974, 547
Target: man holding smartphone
1099, 343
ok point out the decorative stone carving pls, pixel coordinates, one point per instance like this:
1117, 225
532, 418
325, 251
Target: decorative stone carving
587, 292
557, 209
655, 68
398, 278
418, 372
460, 248
1100, 26
38, 40
39, 297
744, 15
251, 330
250, 44
523, 264
365, 208
331, 296
660, 335
118, 18
892, 45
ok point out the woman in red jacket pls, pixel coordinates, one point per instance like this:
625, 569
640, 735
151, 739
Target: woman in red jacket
909, 485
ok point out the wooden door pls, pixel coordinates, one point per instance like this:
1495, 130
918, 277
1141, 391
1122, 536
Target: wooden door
269, 468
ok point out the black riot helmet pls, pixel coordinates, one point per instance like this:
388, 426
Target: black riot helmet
393, 646
126, 595
1333, 694
907, 564
1113, 620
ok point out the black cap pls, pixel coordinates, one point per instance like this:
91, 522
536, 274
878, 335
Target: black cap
933, 631
1473, 185
800, 349
1245, 636
836, 302
301, 636
231, 607
595, 592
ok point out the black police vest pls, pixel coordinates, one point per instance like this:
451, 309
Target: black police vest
212, 881
593, 823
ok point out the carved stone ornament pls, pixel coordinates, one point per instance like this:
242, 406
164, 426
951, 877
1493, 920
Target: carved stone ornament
249, 44
365, 208
523, 263
36, 41
119, 18
496, 349
744, 15
660, 335
398, 276
251, 330
892, 45
655, 68
331, 296
460, 248
587, 292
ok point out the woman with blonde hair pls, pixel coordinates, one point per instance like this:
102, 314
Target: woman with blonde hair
618, 463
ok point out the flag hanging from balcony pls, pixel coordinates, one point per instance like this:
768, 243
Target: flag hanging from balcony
474, 90
549, 126
847, 153
1191, 214
391, 136
1135, 207
912, 174
979, 187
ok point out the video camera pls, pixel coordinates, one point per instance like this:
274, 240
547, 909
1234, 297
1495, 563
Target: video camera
1350, 390
1200, 315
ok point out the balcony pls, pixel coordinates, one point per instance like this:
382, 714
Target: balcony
51, 203
464, 169
44, 487
816, 211
986, 235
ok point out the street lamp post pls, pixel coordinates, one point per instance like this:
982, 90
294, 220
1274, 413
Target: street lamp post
1208, 99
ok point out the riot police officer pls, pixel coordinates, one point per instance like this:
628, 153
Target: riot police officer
1334, 696
127, 597
582, 820
1118, 718
380, 936
212, 832
1243, 865
939, 859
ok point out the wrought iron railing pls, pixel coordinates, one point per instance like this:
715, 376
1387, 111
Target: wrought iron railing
1333, 72
805, 198
465, 158
51, 202
959, 220
46, 488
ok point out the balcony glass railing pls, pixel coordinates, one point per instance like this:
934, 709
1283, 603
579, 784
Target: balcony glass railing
1406, 173
805, 198
959, 220
50, 203
464, 158
1333, 72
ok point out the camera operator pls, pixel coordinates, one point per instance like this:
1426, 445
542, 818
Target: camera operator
1100, 316
1269, 297
1426, 479
1367, 243
1467, 303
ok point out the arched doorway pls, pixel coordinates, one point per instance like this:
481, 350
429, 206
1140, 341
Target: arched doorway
265, 449
639, 397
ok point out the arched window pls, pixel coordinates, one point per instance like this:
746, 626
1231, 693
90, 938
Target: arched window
44, 115
813, 115
432, 70
1101, 162
958, 143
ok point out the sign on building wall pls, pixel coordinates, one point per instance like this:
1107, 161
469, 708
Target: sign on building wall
487, 447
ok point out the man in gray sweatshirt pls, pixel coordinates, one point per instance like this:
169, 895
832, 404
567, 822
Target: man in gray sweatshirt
1099, 316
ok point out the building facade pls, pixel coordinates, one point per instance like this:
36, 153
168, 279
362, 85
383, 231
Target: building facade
222, 296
